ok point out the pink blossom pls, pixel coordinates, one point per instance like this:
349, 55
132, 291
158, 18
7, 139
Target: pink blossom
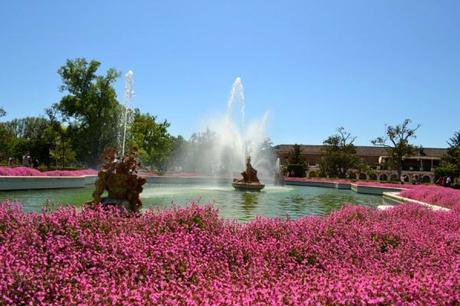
189, 256
442, 196
26, 171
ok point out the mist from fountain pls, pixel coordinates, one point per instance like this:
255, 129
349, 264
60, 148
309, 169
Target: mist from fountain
234, 138
277, 165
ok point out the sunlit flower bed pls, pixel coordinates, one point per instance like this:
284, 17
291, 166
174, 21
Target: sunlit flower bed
406, 255
348, 181
442, 196
26, 171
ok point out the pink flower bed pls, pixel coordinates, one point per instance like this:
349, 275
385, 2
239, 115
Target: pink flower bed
316, 179
25, 171
405, 255
386, 185
71, 172
442, 196
347, 181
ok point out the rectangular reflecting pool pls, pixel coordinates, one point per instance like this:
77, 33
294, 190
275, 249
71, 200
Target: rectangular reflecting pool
273, 201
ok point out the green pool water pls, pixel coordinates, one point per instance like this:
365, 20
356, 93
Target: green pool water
273, 201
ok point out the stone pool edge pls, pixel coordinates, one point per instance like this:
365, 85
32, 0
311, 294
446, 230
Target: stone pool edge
12, 183
396, 196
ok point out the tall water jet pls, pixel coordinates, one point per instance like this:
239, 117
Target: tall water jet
279, 176
229, 139
237, 96
277, 165
129, 93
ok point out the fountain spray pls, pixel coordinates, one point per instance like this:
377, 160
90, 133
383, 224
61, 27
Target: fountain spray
129, 93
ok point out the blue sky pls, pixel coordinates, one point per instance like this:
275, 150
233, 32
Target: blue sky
315, 65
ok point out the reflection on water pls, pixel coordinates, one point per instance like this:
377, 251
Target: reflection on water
273, 201
248, 203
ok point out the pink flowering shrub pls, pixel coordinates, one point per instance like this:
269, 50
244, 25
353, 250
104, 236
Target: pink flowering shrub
188, 256
20, 171
26, 171
348, 181
442, 196
71, 172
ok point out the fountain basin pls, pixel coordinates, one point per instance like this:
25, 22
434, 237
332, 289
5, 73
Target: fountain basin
248, 186
272, 201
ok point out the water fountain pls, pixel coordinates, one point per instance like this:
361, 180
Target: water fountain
126, 118
118, 176
279, 177
236, 138
232, 139
250, 181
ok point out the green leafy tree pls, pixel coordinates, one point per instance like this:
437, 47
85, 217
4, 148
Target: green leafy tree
31, 135
6, 137
63, 152
152, 140
296, 164
396, 142
450, 164
90, 107
339, 155
177, 157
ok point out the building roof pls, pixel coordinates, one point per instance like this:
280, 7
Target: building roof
360, 150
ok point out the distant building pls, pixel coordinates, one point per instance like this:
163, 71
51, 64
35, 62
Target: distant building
419, 167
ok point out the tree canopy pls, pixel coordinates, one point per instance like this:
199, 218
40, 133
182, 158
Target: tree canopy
152, 140
397, 143
450, 163
84, 122
90, 107
296, 165
338, 154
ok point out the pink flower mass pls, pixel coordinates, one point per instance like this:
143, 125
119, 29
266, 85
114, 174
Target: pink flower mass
189, 256
442, 196
26, 171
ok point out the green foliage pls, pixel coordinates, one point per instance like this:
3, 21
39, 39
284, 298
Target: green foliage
396, 142
177, 158
33, 135
152, 140
450, 164
6, 137
63, 152
296, 165
338, 155
90, 107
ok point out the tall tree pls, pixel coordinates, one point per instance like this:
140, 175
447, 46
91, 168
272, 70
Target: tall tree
396, 142
90, 106
152, 139
31, 135
450, 163
6, 136
177, 158
63, 152
296, 164
339, 154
